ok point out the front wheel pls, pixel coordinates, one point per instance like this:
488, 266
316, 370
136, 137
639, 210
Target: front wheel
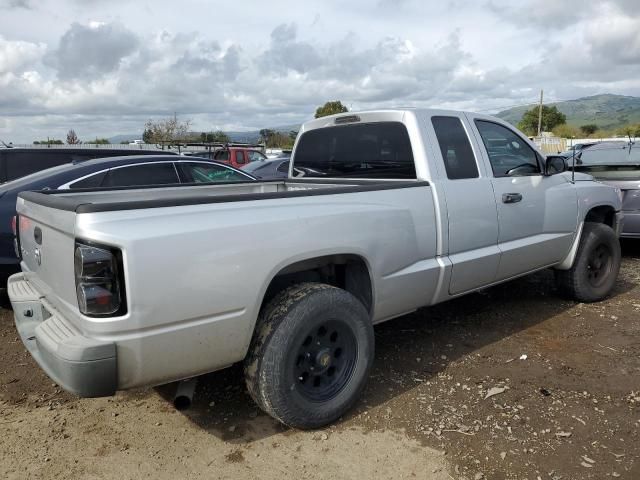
310, 356
596, 266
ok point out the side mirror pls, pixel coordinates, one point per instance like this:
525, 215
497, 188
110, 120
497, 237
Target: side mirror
555, 164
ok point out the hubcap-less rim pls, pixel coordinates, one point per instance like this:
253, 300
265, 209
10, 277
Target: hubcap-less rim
325, 361
599, 265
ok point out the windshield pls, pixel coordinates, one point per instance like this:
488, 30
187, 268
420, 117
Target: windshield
363, 150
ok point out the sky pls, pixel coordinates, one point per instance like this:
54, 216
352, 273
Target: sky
105, 67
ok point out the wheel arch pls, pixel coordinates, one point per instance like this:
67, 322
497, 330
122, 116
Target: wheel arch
605, 214
349, 271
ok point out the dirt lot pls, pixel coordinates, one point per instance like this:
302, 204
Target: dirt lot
570, 409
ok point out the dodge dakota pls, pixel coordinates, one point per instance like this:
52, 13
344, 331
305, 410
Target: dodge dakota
383, 212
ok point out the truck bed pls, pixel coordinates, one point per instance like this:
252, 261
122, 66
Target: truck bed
105, 200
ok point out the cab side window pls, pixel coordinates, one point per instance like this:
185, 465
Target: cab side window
93, 181
221, 155
459, 161
143, 174
510, 155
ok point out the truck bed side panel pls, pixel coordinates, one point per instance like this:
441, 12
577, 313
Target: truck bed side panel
228, 253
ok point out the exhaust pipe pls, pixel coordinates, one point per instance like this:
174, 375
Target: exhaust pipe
184, 394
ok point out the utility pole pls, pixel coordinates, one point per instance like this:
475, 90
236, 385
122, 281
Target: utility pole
540, 115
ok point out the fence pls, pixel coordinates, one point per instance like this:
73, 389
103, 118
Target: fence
549, 144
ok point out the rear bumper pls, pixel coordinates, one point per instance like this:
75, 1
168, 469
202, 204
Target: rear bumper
81, 365
631, 227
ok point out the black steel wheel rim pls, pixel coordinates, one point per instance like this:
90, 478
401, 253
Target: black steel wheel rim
599, 265
325, 360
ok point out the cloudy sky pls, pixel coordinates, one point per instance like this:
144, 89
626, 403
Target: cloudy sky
104, 67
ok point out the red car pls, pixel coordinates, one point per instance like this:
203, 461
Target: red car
238, 157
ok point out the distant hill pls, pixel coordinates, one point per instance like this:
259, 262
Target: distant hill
608, 111
127, 138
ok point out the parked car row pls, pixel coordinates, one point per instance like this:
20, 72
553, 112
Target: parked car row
107, 173
616, 164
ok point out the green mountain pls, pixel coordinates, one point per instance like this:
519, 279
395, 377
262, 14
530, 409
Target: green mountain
608, 111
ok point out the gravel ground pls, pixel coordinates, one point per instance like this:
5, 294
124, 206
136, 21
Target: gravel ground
509, 383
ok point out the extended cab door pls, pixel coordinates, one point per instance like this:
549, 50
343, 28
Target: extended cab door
472, 218
537, 214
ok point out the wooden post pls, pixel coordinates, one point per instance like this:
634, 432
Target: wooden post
540, 116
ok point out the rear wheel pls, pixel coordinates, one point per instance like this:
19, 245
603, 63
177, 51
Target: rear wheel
310, 356
596, 266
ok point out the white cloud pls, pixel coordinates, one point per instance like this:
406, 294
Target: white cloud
17, 55
111, 69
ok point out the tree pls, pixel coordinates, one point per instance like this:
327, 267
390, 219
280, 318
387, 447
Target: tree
166, 131
551, 118
72, 138
266, 134
589, 129
48, 141
629, 130
330, 108
146, 136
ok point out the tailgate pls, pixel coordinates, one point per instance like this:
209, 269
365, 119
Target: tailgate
47, 240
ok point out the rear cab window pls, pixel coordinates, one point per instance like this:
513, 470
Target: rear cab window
362, 150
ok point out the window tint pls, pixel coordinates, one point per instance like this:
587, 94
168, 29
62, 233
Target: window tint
20, 164
457, 154
240, 157
509, 154
145, 174
374, 150
93, 181
222, 155
206, 173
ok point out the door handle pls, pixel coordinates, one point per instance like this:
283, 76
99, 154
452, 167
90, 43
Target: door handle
511, 197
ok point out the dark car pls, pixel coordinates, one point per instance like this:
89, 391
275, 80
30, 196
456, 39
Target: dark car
118, 172
616, 164
269, 169
19, 162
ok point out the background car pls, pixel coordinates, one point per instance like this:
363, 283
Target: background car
269, 169
117, 172
616, 164
18, 162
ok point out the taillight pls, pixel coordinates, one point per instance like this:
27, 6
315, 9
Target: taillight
14, 225
98, 281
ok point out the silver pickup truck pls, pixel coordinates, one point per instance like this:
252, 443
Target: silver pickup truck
383, 212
